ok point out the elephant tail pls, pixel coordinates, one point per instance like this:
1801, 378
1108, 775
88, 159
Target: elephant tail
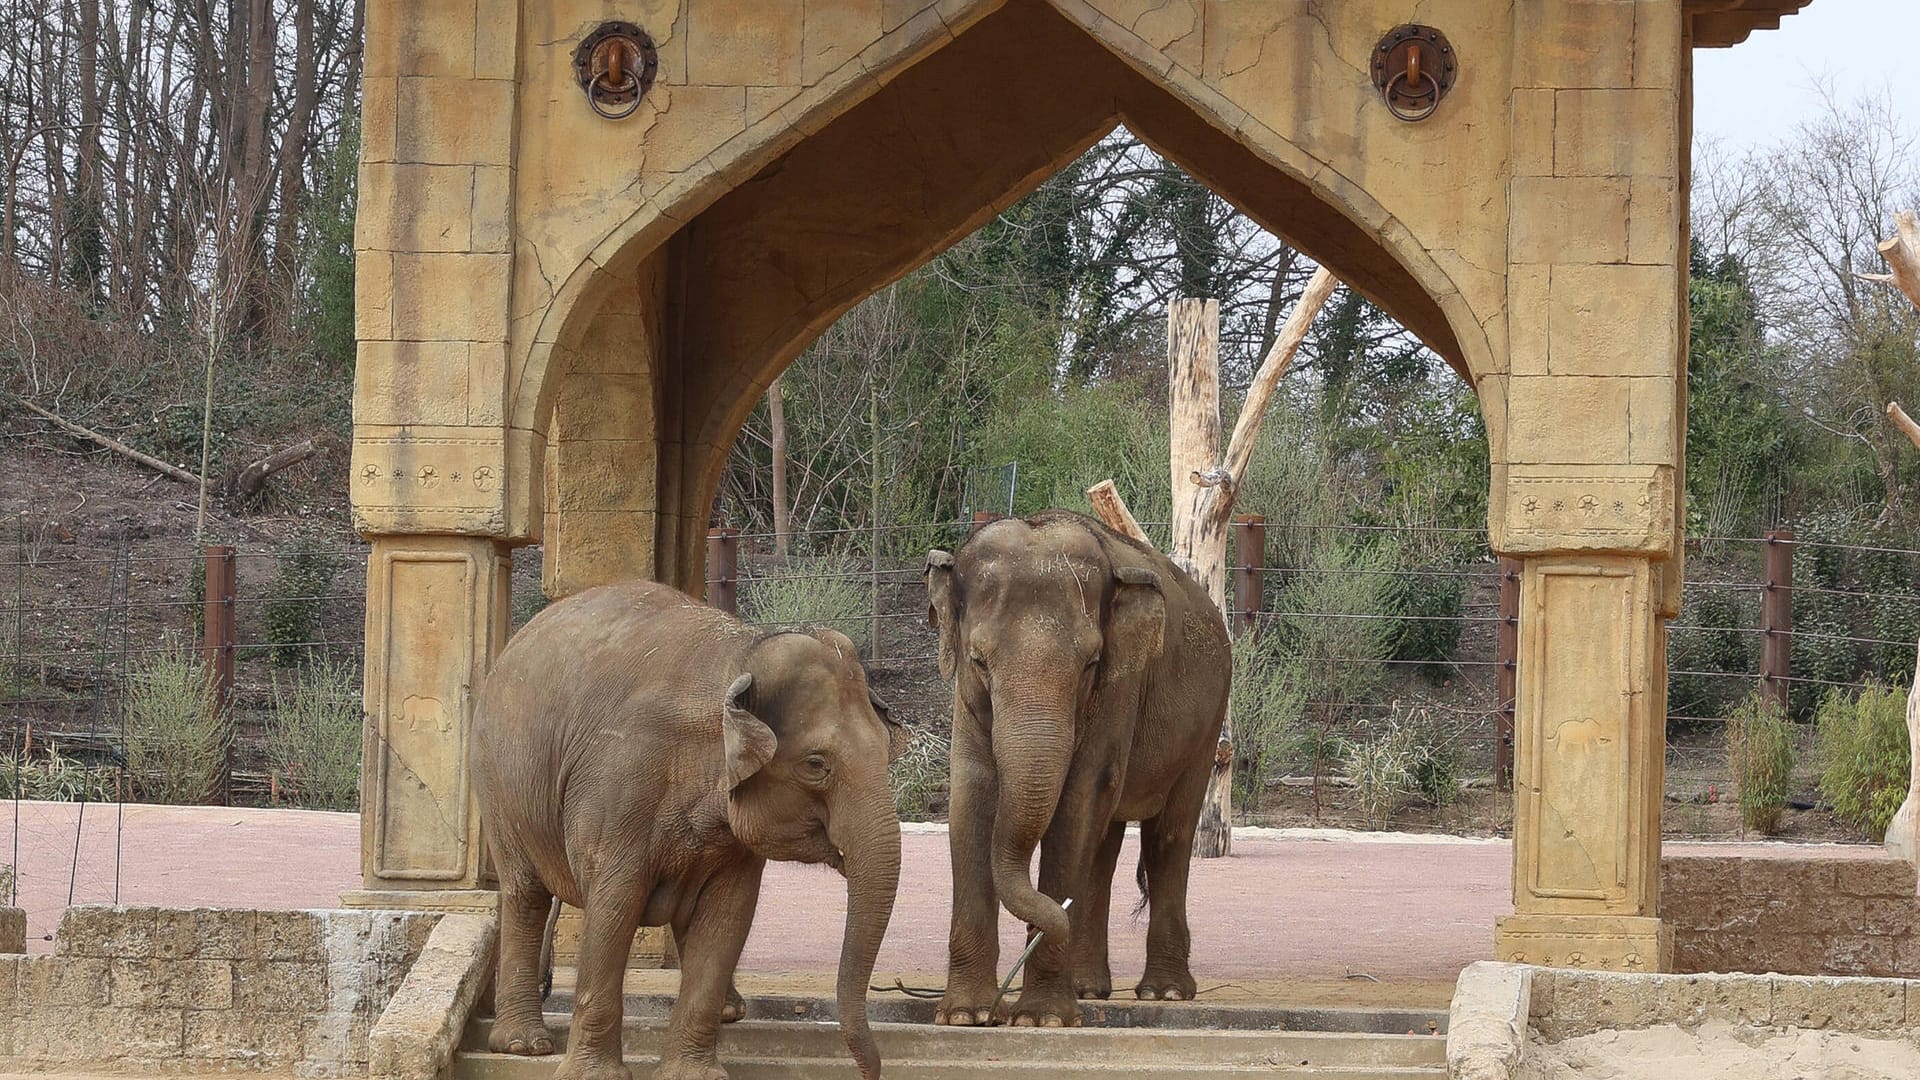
1140, 879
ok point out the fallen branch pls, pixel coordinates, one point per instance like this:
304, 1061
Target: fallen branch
1109, 507
1902, 253
114, 445
1902, 421
254, 476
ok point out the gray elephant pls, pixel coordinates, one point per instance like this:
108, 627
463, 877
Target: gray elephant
1090, 682
640, 756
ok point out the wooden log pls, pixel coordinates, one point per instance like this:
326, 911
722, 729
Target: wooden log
1902, 253
1246, 430
115, 445
254, 476
1110, 508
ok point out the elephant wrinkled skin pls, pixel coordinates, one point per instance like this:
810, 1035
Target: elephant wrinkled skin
1090, 682
640, 756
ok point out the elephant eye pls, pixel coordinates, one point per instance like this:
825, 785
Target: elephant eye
1095, 662
978, 661
816, 765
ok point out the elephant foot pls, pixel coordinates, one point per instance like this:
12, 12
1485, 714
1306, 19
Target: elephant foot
1097, 983
528, 1038
736, 1007
966, 1006
1156, 987
682, 1069
595, 1068
1040, 1008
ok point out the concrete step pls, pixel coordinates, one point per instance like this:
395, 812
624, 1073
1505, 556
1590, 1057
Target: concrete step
470, 1066
1083, 1047
1119, 1012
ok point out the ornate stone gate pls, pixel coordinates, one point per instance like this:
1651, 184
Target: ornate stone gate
564, 318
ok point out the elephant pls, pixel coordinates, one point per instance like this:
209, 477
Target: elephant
1090, 683
640, 756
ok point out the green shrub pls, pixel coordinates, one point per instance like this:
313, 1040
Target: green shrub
1268, 706
919, 773
177, 736
55, 778
1429, 609
1863, 752
823, 591
1435, 766
295, 599
1381, 769
1760, 755
314, 736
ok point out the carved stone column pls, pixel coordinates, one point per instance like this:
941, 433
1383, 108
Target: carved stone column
436, 616
1590, 741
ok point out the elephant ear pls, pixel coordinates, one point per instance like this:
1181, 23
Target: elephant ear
749, 742
1136, 625
897, 736
940, 605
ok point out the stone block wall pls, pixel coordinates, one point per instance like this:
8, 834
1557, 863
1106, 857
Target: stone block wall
1566, 1004
1800, 915
159, 989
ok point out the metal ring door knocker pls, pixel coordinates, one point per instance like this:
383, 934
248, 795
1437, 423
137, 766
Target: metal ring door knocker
1413, 68
615, 65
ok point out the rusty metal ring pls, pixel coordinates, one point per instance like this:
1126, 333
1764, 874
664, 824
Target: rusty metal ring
1413, 115
599, 88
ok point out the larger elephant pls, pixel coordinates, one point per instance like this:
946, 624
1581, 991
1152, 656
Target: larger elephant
1090, 682
640, 756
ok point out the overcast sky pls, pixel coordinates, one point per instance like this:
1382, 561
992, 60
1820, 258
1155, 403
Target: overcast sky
1749, 95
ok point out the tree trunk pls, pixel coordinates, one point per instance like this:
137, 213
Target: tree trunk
777, 420
1199, 533
292, 158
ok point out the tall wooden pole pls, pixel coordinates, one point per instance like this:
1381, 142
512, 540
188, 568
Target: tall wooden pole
1199, 534
777, 420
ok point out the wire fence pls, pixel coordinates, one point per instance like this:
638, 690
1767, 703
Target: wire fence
1339, 655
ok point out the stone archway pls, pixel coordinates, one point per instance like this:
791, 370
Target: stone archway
563, 319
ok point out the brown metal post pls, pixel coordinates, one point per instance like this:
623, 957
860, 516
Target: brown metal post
981, 517
723, 569
1250, 548
216, 652
1506, 644
1776, 615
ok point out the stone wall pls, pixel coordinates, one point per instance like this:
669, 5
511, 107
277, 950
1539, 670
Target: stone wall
204, 990
1801, 915
1565, 1003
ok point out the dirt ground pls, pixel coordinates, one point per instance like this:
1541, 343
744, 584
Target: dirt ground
1719, 1051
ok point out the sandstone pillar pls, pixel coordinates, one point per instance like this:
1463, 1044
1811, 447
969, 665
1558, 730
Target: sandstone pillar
440, 481
1587, 472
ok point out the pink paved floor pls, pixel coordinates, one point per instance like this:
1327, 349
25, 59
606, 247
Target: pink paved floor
1277, 908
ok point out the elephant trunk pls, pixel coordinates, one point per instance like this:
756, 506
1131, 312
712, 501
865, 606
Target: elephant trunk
1031, 748
868, 833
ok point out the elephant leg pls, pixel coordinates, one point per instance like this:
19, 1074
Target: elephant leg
1166, 852
736, 1007
611, 914
1092, 977
709, 952
1068, 853
518, 1026
973, 941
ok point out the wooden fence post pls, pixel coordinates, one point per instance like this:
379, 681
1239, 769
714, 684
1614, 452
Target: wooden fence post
216, 652
723, 569
1250, 547
981, 517
1506, 646
1776, 615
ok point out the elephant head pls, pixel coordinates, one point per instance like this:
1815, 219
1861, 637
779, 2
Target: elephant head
1039, 621
807, 746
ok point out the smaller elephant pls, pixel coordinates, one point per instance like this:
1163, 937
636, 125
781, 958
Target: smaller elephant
640, 756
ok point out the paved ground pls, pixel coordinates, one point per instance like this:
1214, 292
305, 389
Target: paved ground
1296, 905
